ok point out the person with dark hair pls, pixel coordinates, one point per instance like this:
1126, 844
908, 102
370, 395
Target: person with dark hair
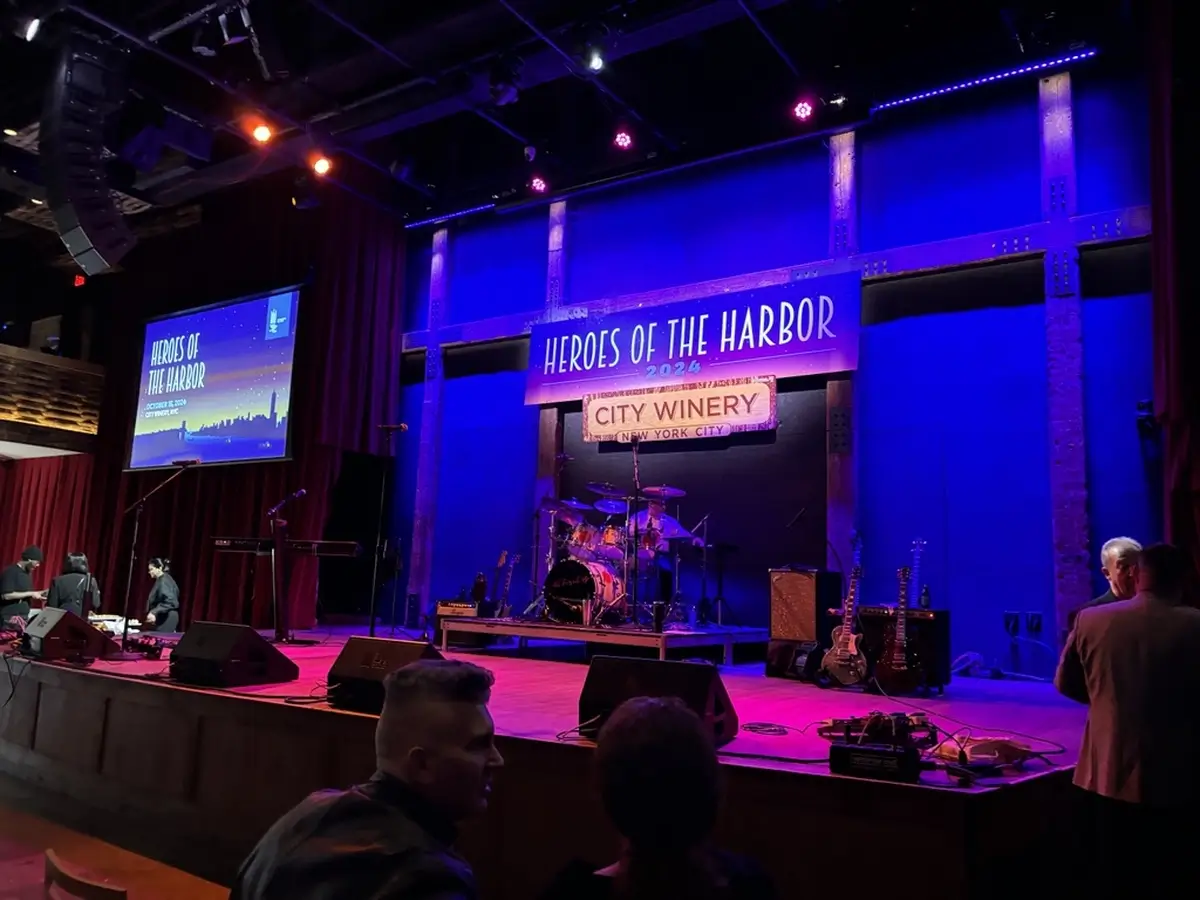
16, 587
658, 777
1136, 664
392, 838
162, 609
74, 586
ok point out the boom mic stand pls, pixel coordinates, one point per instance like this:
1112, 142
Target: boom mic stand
136, 508
381, 542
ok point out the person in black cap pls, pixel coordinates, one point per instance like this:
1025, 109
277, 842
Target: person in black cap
16, 587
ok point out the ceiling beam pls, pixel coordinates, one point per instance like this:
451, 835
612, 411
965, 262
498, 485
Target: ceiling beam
424, 103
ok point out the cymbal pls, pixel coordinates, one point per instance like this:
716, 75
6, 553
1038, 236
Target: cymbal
663, 492
572, 503
610, 507
605, 489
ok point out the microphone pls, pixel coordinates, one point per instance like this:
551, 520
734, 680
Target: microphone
399, 426
285, 501
184, 463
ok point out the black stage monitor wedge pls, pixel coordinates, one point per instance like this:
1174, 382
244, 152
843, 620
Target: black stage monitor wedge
611, 680
59, 634
217, 654
356, 679
86, 87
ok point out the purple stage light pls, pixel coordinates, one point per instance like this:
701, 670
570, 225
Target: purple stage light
803, 110
538, 185
988, 79
624, 140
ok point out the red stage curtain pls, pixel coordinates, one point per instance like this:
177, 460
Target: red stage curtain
1177, 374
45, 502
345, 384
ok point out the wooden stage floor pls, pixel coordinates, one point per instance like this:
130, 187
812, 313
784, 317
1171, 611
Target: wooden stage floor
538, 699
226, 763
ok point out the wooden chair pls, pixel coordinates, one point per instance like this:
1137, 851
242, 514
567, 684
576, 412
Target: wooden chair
63, 884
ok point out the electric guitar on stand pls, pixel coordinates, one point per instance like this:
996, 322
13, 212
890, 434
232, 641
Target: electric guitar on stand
844, 662
899, 669
505, 611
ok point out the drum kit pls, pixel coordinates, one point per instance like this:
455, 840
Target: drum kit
594, 567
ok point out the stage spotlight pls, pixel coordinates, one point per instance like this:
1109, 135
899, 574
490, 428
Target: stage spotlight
803, 110
538, 185
595, 59
261, 133
31, 28
10, 132
623, 140
235, 25
321, 165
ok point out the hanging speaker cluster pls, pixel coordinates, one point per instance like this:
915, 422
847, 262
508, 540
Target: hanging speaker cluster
86, 88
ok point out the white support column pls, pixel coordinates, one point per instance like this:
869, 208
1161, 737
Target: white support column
430, 451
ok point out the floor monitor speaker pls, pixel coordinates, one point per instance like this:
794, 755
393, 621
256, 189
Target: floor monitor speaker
59, 634
356, 679
87, 85
217, 654
611, 680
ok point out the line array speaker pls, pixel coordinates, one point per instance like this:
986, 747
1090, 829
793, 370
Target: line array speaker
87, 86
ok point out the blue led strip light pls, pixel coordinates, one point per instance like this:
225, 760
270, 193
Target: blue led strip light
988, 79
437, 220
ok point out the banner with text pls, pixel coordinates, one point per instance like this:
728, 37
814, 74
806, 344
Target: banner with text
805, 327
681, 411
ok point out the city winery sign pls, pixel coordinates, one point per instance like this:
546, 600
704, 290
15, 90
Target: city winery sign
806, 327
682, 411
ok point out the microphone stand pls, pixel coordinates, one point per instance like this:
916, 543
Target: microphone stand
637, 493
136, 508
381, 546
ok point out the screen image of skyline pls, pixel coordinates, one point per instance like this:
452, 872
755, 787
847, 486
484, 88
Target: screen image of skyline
216, 384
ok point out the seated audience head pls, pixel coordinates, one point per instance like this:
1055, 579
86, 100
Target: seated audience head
658, 776
1164, 571
31, 558
437, 736
1118, 564
75, 564
158, 565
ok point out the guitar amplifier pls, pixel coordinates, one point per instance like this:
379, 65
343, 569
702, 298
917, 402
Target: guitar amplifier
928, 630
461, 609
800, 626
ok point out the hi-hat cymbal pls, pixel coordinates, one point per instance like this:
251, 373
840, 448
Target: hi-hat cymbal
663, 492
611, 507
605, 489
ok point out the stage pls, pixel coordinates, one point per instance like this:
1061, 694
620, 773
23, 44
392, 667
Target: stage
216, 767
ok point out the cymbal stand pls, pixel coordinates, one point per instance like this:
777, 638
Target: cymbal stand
632, 586
703, 608
539, 596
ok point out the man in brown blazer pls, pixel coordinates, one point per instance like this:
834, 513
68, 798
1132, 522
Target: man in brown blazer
1136, 664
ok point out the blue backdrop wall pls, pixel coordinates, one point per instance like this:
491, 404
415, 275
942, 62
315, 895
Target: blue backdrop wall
952, 409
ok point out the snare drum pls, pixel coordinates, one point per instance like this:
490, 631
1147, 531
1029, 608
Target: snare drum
575, 583
582, 542
611, 544
648, 542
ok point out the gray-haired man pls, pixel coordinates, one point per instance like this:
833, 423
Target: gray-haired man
1118, 565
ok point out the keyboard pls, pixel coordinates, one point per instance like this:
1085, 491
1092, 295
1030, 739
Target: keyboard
297, 547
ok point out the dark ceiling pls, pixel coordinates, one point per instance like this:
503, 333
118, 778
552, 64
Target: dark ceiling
426, 108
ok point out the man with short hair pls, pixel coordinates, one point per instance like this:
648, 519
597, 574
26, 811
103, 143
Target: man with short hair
1118, 561
16, 586
1136, 664
392, 838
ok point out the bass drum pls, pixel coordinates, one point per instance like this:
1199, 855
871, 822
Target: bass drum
574, 582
